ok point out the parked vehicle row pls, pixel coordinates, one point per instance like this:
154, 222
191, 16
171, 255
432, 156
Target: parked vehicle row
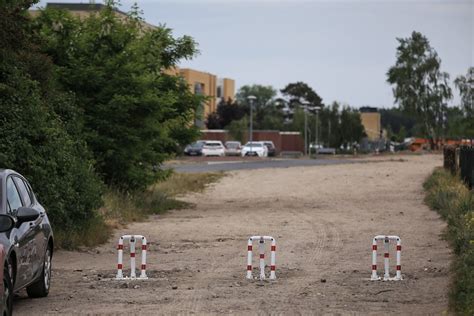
230, 148
26, 241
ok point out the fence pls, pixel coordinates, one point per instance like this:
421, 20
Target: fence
466, 165
460, 160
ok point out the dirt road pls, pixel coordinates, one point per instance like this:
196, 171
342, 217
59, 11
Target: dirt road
323, 218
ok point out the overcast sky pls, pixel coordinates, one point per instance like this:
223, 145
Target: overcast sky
342, 49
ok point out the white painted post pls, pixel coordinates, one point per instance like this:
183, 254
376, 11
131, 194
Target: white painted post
249, 258
386, 275
120, 259
273, 260
143, 265
261, 248
374, 260
132, 258
399, 259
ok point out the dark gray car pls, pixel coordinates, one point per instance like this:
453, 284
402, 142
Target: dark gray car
29, 244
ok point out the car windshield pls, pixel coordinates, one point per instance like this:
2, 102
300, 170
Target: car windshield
268, 144
196, 145
253, 144
232, 145
213, 144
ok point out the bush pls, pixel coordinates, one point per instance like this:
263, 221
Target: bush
34, 139
446, 194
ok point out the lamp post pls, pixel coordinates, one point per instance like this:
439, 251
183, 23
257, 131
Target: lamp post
316, 137
305, 109
251, 99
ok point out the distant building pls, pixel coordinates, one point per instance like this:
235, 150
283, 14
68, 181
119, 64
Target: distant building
199, 82
370, 118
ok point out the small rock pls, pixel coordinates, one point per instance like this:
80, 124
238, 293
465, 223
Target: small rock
323, 280
136, 286
124, 286
92, 286
190, 288
174, 287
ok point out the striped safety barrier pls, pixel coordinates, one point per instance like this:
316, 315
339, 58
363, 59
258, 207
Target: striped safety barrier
386, 242
132, 239
261, 248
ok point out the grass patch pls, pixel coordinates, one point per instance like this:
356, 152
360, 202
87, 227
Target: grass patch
447, 195
122, 208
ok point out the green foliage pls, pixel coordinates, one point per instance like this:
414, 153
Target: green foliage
401, 123
227, 111
300, 91
38, 127
465, 86
446, 194
420, 88
239, 129
264, 94
135, 115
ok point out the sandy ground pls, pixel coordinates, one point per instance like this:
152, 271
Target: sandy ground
323, 218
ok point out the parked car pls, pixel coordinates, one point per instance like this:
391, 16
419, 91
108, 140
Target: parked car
28, 245
213, 148
271, 148
194, 149
6, 288
233, 148
255, 149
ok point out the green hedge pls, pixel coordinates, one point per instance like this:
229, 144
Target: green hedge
446, 194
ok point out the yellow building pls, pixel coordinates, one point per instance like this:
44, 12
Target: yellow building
370, 118
199, 82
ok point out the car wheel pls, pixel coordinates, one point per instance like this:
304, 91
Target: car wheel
7, 299
41, 287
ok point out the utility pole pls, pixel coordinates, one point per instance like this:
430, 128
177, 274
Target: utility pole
305, 108
316, 136
251, 100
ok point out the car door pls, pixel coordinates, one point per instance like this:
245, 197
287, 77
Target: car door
35, 227
21, 236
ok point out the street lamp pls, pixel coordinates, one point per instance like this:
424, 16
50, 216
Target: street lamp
251, 99
316, 138
305, 107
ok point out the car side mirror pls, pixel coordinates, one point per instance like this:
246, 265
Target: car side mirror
7, 222
26, 214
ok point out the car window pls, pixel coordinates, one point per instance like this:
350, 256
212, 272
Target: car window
254, 144
22, 189
213, 144
13, 197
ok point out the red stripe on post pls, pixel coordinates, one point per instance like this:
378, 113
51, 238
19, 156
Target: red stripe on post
262, 256
273, 248
249, 268
399, 268
386, 255
374, 247
132, 255
143, 266
249, 248
374, 267
143, 247
119, 266
273, 268
399, 247
120, 247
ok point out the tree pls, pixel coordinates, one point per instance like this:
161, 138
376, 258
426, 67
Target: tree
465, 85
40, 126
300, 91
420, 88
227, 111
135, 115
264, 95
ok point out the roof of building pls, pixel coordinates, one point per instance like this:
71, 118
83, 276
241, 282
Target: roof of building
368, 109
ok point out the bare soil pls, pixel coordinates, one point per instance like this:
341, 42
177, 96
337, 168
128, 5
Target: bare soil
323, 219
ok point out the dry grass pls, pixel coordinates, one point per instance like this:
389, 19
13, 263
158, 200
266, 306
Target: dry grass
447, 195
122, 208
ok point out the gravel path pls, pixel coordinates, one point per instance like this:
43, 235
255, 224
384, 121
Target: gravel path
323, 218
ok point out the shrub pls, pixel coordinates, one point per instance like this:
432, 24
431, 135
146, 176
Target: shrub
446, 194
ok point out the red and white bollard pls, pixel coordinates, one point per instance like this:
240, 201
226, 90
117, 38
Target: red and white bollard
386, 241
261, 248
132, 239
